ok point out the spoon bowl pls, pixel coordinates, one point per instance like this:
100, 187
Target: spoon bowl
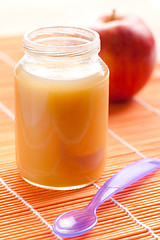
76, 222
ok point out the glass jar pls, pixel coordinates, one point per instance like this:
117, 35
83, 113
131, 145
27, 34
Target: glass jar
61, 108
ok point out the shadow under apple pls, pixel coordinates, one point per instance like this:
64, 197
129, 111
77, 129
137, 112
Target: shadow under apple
120, 107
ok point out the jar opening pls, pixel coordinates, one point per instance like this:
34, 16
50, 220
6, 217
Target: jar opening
61, 41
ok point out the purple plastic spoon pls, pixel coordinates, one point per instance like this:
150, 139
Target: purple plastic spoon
78, 222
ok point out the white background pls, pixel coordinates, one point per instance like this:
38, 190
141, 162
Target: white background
17, 16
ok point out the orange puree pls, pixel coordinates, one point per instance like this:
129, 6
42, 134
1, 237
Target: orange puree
61, 129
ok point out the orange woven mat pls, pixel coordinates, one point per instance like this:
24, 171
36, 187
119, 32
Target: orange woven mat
27, 212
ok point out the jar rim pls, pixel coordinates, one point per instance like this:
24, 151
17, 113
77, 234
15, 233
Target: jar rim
61, 41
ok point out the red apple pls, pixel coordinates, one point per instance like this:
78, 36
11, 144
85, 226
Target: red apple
128, 48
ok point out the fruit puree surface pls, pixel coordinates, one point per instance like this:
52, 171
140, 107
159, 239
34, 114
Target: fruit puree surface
61, 129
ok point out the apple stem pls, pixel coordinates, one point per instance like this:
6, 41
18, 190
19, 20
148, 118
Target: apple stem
113, 16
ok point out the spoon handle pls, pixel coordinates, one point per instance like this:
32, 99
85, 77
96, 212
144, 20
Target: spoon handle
124, 178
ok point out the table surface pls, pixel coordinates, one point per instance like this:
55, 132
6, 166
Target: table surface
27, 212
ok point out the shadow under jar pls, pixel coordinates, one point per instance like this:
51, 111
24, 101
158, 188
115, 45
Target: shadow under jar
61, 108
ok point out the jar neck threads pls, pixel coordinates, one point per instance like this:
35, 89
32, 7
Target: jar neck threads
62, 42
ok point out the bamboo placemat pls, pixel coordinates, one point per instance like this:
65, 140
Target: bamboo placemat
27, 212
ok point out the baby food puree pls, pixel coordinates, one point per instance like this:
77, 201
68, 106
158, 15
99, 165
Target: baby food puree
61, 109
